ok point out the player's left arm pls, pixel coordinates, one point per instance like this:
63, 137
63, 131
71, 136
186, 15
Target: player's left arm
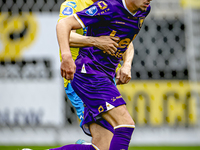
124, 73
105, 43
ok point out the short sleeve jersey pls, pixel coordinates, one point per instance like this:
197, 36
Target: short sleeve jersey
69, 7
107, 18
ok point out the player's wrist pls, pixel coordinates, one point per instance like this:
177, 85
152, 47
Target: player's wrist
127, 65
66, 55
92, 41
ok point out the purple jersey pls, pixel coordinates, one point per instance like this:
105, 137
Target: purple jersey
107, 18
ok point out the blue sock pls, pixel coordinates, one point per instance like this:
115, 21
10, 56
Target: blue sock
122, 137
76, 147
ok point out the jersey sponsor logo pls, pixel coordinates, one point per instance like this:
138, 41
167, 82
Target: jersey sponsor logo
71, 4
91, 11
67, 11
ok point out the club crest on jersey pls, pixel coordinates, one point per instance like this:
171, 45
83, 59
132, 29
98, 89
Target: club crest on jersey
91, 11
102, 5
140, 22
71, 4
67, 11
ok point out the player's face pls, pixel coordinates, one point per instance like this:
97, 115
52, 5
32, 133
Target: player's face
141, 4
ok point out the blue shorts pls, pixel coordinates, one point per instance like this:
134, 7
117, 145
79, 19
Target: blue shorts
76, 101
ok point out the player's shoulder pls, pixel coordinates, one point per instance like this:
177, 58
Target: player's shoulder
109, 2
107, 5
68, 8
70, 3
114, 5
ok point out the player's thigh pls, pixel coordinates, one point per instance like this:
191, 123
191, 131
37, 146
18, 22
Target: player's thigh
101, 137
118, 116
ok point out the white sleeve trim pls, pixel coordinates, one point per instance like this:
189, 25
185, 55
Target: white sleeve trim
79, 20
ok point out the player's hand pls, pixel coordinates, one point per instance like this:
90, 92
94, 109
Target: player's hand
107, 43
123, 75
67, 67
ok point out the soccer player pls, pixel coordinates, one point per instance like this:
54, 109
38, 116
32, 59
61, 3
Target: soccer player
105, 43
68, 8
95, 69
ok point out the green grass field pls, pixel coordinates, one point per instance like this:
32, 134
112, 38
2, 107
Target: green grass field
131, 148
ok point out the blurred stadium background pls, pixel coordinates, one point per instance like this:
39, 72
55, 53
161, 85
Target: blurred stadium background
163, 96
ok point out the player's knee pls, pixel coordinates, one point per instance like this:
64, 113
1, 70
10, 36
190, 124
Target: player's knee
118, 116
125, 118
128, 121
131, 122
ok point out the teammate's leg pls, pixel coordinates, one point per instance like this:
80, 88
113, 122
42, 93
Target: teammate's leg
75, 100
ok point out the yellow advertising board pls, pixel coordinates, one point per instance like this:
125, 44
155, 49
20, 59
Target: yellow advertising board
158, 103
17, 33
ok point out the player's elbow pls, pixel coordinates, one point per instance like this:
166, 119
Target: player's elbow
61, 25
58, 27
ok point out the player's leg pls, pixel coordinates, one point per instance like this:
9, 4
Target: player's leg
123, 124
118, 116
101, 137
101, 96
102, 132
75, 100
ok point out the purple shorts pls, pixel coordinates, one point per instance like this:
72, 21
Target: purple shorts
99, 95
88, 119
